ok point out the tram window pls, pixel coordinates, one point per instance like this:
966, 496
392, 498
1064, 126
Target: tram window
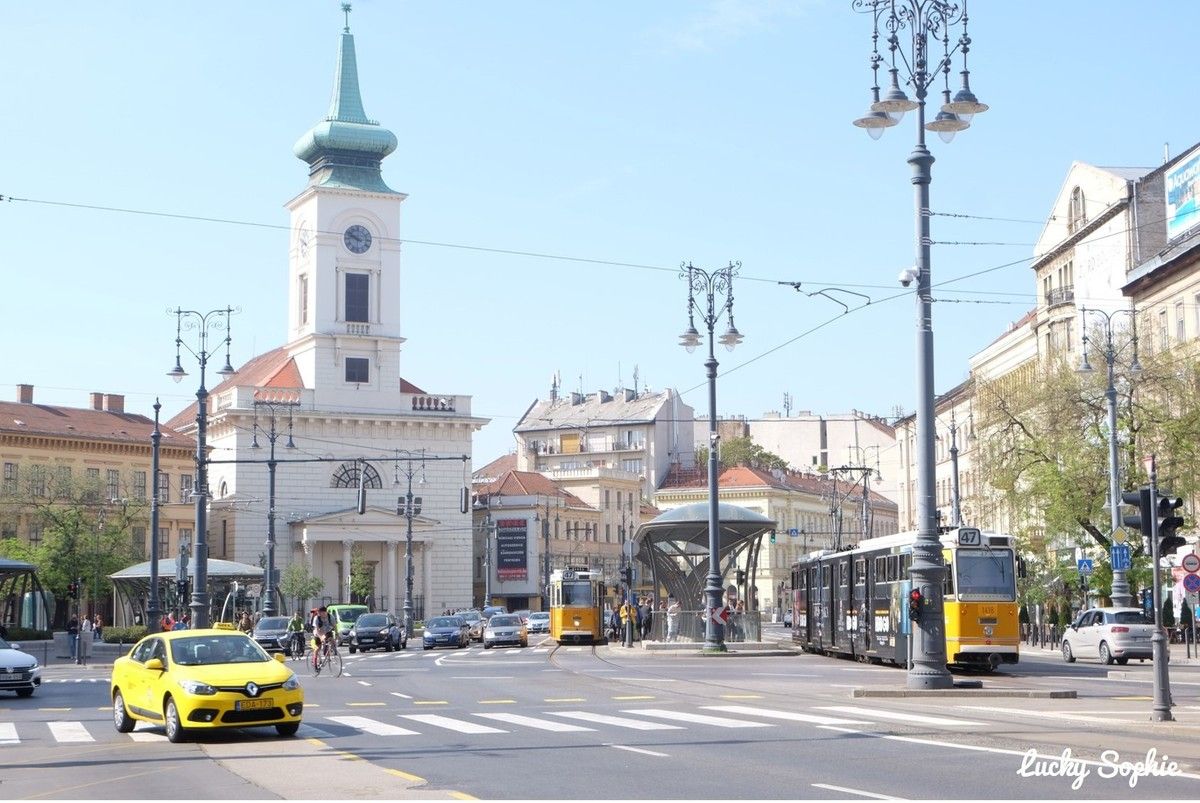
880, 569
893, 570
826, 576
860, 571
842, 573
905, 562
948, 583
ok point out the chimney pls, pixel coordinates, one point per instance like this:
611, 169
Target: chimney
97, 401
25, 394
576, 398
114, 402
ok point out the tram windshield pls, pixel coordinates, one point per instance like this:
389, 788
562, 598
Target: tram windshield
577, 592
985, 574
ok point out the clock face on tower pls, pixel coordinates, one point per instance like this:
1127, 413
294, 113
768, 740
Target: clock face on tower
357, 239
303, 239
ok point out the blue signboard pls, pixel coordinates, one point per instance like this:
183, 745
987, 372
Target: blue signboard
1085, 565
793, 532
1191, 582
1121, 557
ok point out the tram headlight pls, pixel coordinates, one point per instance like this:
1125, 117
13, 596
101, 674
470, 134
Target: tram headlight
988, 630
577, 621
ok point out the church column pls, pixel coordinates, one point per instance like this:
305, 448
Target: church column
391, 575
345, 589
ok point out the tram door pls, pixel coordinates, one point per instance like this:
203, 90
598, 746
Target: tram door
860, 613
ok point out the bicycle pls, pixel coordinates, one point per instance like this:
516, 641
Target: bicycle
296, 649
326, 656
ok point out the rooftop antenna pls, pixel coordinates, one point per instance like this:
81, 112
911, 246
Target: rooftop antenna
635, 379
787, 405
346, 10
1166, 152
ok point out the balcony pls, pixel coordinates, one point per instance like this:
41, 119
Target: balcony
1060, 295
432, 403
355, 328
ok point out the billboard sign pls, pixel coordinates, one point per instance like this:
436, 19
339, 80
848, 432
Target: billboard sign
512, 562
1182, 184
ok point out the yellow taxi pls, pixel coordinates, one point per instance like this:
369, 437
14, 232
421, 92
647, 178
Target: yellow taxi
190, 680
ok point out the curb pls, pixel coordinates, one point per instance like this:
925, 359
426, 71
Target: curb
1053, 694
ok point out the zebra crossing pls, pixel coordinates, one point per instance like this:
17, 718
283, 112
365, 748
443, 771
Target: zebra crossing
487, 724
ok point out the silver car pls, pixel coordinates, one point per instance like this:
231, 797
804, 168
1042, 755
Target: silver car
538, 622
19, 671
1110, 634
505, 628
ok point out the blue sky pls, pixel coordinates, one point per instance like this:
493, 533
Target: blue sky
627, 136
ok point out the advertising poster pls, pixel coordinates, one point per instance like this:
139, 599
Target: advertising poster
1183, 185
511, 549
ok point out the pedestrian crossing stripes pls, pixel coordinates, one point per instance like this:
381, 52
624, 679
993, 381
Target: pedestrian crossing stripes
487, 724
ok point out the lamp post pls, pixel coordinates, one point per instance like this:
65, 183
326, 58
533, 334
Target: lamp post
205, 324
709, 286
1120, 582
410, 506
154, 611
922, 20
284, 401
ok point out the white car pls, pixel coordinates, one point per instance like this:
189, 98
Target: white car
1110, 634
539, 622
19, 671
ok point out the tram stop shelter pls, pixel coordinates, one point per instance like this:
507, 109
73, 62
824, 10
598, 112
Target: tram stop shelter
23, 601
674, 546
131, 587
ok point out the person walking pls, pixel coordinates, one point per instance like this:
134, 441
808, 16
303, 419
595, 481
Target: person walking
73, 635
97, 626
673, 611
614, 623
645, 612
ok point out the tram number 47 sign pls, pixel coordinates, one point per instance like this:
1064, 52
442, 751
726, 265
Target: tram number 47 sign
719, 615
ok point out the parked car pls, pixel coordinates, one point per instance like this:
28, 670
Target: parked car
524, 614
476, 621
446, 631
344, 617
272, 634
539, 622
373, 630
505, 628
488, 610
204, 679
787, 618
1110, 634
19, 671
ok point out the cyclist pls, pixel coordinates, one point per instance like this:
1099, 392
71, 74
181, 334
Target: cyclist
323, 632
295, 631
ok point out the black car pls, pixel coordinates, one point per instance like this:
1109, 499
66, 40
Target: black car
446, 631
272, 635
375, 630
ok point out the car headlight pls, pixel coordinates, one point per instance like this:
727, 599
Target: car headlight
196, 687
292, 683
383, 631
352, 634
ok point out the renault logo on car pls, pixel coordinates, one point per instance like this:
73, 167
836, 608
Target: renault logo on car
252, 689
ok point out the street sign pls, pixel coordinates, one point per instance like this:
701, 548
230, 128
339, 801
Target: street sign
793, 532
1191, 562
1121, 557
1191, 582
1085, 565
719, 615
1120, 536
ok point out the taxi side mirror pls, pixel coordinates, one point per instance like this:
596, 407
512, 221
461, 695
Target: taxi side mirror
278, 656
155, 664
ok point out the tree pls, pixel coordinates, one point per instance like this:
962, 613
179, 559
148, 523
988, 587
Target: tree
1168, 613
297, 583
362, 576
742, 452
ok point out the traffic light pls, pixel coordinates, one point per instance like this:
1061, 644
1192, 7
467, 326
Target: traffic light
181, 588
914, 604
772, 536
1168, 523
1140, 500
72, 590
741, 576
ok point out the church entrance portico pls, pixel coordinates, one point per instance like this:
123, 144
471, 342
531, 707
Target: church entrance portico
328, 545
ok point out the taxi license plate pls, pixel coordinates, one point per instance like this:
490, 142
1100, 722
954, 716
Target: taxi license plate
251, 705
9, 676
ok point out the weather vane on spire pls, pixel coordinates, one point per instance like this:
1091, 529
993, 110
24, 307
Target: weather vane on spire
346, 9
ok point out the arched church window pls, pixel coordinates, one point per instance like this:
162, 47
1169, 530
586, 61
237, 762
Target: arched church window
1077, 216
346, 476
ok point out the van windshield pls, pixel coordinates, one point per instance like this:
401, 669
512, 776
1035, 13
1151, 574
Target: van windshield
350, 614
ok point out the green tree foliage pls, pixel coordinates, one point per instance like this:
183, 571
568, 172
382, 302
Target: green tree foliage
1043, 439
1168, 613
742, 452
362, 576
84, 535
297, 583
1185, 616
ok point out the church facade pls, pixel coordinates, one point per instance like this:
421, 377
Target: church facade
349, 434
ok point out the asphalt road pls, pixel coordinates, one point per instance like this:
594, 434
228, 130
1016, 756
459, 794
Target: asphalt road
619, 723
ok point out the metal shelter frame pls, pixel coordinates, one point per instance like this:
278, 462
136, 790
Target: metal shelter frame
131, 586
18, 580
675, 545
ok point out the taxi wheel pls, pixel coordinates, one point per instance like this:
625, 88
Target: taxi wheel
287, 728
175, 730
121, 719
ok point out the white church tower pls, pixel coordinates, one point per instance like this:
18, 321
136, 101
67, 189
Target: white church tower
332, 407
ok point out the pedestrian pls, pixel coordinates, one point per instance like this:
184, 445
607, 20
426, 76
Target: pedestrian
97, 626
167, 623
85, 630
179, 622
645, 611
73, 634
614, 623
673, 611
245, 624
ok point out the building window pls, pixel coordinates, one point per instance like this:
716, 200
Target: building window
358, 297
1077, 215
185, 535
632, 466
608, 533
1163, 335
608, 500
139, 486
138, 542
62, 482
112, 484
164, 540
91, 493
10, 478
185, 487
302, 293
35, 534
358, 369
1179, 324
37, 481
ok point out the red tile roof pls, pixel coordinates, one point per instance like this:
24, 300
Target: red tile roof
497, 467
528, 483
83, 423
749, 477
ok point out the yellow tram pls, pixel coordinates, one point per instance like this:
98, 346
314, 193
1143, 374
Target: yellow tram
854, 602
577, 606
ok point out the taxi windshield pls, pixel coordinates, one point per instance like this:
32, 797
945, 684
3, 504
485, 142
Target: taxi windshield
210, 650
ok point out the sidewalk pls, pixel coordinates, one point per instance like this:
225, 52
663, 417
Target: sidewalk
1178, 653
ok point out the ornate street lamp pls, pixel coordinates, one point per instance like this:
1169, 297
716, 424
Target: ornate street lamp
273, 405
709, 286
925, 22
